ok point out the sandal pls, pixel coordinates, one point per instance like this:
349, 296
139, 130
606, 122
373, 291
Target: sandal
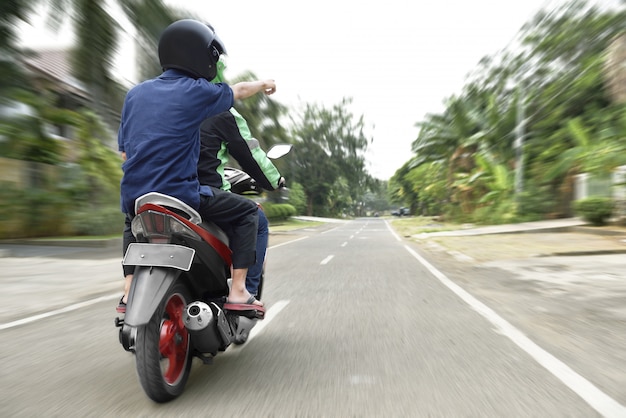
121, 306
247, 308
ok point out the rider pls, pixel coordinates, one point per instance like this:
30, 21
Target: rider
225, 135
160, 142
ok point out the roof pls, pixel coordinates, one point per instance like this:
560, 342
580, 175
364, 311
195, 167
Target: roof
55, 65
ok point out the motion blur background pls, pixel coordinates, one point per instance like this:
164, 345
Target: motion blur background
479, 112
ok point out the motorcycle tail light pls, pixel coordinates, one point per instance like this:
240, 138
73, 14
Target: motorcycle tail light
159, 227
179, 228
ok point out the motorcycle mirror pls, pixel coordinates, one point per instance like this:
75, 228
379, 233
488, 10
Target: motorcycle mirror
278, 151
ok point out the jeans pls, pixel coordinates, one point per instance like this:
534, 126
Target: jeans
253, 279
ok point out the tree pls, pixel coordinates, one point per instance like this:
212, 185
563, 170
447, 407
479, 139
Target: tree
263, 115
100, 166
560, 89
11, 11
97, 37
329, 145
149, 18
26, 131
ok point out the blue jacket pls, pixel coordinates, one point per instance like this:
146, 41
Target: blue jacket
159, 132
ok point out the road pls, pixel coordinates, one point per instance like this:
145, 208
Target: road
360, 324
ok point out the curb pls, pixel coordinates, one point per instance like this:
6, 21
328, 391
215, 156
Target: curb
597, 230
583, 253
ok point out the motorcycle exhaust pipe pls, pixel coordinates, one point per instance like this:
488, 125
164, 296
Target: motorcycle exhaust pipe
203, 326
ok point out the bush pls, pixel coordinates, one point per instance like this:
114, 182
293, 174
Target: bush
536, 203
596, 210
278, 212
28, 213
297, 198
100, 221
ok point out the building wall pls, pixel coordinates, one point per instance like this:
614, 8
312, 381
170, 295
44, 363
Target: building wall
23, 174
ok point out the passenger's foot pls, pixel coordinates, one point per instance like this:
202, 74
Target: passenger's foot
250, 301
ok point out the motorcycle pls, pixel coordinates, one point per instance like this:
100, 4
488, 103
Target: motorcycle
176, 307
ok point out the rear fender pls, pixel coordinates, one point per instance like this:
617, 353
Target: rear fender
149, 286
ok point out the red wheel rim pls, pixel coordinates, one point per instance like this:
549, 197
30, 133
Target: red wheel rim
174, 340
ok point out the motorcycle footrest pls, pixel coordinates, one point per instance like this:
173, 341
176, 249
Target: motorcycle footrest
249, 311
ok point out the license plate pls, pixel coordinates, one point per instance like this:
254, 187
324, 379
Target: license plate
159, 255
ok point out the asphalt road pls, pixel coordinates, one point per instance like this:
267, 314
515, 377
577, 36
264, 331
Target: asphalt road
360, 323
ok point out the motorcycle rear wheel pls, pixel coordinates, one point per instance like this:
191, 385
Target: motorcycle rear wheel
163, 348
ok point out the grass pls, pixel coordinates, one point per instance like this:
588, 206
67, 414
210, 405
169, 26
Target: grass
291, 224
419, 224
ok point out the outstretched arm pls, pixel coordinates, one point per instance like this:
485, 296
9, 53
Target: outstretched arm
245, 89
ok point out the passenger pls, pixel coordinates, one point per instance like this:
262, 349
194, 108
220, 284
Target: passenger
226, 135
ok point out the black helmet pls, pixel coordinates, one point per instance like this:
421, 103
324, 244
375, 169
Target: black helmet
191, 46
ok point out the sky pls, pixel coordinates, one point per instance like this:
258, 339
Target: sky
397, 60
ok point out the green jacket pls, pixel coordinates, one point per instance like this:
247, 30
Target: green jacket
225, 135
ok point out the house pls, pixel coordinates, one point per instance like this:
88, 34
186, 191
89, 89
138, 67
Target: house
50, 71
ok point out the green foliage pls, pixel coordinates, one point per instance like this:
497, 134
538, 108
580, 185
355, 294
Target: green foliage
278, 212
57, 195
100, 165
429, 189
297, 198
559, 107
330, 144
502, 212
96, 220
596, 210
36, 212
11, 73
263, 116
26, 213
535, 203
375, 199
26, 133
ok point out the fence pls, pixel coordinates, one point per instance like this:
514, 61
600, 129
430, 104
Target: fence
613, 185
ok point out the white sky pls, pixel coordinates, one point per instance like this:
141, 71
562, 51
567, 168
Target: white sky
397, 59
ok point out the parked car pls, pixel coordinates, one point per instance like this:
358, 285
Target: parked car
401, 212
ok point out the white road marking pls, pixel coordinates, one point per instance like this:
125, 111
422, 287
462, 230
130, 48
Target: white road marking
327, 259
57, 311
344, 244
598, 400
392, 231
80, 305
270, 314
285, 243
